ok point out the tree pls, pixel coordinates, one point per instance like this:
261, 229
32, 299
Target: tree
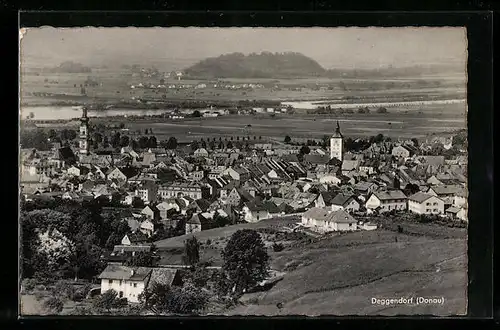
124, 141
137, 202
141, 259
246, 261
115, 140
415, 142
152, 143
106, 301
379, 138
196, 114
287, 139
143, 142
191, 251
194, 145
53, 305
229, 145
304, 150
172, 143
382, 110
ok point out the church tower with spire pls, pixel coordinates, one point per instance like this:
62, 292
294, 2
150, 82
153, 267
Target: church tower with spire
84, 133
336, 144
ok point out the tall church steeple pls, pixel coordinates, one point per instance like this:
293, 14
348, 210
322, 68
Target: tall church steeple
84, 133
337, 144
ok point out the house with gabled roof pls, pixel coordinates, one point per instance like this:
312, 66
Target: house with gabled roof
256, 211
195, 223
134, 238
387, 200
446, 192
130, 282
325, 220
422, 203
345, 202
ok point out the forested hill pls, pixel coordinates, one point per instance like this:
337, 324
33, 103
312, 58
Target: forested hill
263, 65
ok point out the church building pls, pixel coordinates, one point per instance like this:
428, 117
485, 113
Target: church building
336, 144
84, 133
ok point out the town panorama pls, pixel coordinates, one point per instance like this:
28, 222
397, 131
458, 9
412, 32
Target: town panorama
245, 171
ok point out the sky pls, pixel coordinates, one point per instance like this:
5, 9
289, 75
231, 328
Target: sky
362, 48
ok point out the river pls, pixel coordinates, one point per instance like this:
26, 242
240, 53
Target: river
68, 112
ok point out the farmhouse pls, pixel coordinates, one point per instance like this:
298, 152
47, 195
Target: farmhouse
422, 203
387, 200
130, 282
324, 220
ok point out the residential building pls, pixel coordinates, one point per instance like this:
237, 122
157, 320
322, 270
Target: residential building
387, 201
324, 220
130, 282
345, 202
422, 203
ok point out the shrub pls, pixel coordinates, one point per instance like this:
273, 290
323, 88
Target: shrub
64, 289
53, 305
208, 242
28, 284
277, 247
187, 300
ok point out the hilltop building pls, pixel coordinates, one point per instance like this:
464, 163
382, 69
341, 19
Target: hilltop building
336, 144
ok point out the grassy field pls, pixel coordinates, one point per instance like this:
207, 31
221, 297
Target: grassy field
340, 273
114, 85
396, 124
342, 282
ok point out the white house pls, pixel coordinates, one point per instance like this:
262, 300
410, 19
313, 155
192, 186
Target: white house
446, 192
400, 151
345, 202
329, 179
255, 212
387, 200
457, 213
422, 203
130, 282
324, 220
193, 225
201, 152
147, 228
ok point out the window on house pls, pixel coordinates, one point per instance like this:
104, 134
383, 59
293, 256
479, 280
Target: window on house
435, 210
121, 294
110, 281
135, 285
427, 203
427, 210
435, 203
121, 281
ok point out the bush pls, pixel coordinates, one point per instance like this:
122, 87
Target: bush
28, 284
53, 305
277, 247
208, 242
64, 289
187, 300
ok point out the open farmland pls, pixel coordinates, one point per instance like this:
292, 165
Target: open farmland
395, 124
114, 85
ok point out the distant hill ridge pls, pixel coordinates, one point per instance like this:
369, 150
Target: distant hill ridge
296, 65
263, 65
